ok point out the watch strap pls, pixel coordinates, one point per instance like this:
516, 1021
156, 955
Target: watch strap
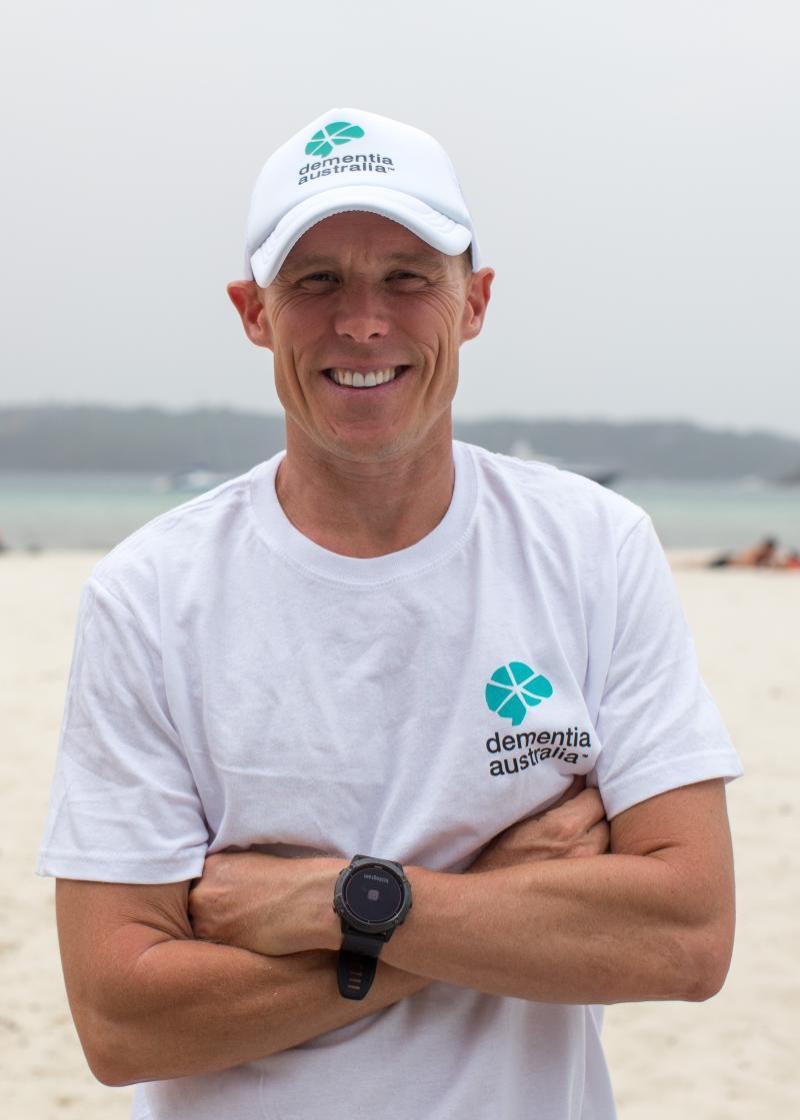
355, 974
358, 962
368, 944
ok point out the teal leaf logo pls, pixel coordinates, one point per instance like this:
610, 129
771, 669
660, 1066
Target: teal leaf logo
338, 132
514, 688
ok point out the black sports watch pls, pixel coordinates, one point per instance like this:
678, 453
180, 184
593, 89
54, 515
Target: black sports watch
372, 897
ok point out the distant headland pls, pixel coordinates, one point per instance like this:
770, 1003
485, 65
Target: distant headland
63, 437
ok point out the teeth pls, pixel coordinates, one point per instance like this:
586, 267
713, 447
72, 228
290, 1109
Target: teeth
358, 380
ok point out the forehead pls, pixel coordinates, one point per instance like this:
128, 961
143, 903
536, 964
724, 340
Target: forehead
362, 235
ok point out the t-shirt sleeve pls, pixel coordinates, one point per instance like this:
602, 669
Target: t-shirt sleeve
658, 725
123, 804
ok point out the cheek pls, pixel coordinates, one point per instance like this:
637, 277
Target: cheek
436, 322
284, 328
293, 339
289, 319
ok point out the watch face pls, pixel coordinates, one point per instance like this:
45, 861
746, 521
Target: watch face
373, 895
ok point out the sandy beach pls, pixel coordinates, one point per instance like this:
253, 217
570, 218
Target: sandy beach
726, 1059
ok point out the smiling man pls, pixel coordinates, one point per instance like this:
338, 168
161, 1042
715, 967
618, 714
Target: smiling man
365, 321
319, 822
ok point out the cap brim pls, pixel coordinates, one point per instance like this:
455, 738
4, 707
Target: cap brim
443, 233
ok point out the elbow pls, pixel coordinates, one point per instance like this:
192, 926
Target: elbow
118, 1065
105, 1068
108, 1075
112, 1065
708, 960
116, 1073
707, 982
111, 1053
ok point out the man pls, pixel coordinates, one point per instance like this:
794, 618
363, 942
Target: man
358, 676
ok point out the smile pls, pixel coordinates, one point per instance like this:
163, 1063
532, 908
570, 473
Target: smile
364, 379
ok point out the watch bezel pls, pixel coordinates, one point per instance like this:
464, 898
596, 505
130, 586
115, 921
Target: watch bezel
359, 863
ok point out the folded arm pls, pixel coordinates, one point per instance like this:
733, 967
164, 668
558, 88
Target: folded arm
651, 920
151, 1002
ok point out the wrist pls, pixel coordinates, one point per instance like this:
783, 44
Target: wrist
372, 898
324, 929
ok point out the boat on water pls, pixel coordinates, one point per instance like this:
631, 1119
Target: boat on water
790, 479
597, 472
194, 481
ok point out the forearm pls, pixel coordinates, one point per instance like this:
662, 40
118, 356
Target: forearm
194, 1008
651, 920
600, 930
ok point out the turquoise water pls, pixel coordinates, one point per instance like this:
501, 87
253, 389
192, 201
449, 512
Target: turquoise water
718, 514
81, 510
87, 510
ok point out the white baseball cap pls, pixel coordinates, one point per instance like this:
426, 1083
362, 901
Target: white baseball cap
348, 159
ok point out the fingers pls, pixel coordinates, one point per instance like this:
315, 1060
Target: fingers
586, 807
596, 842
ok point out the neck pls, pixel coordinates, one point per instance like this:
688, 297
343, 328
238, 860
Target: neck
365, 509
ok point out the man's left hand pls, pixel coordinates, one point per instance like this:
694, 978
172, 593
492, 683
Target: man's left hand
267, 904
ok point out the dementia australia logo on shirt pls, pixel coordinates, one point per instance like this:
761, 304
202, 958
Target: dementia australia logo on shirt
512, 690
322, 144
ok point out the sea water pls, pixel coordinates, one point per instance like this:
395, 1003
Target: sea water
52, 509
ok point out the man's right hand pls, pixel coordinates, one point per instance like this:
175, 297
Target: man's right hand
574, 827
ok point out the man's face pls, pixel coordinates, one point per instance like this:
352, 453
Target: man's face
361, 299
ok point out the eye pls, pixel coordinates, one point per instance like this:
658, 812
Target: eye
407, 281
318, 281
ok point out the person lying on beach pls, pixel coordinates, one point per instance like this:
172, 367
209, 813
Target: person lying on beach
760, 555
766, 554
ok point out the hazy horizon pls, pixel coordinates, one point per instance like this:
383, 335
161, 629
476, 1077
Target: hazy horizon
632, 169
276, 412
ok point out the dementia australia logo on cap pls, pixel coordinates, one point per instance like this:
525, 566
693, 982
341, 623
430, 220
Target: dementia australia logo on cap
322, 143
338, 132
514, 688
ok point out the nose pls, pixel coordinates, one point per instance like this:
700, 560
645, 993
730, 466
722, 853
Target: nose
361, 314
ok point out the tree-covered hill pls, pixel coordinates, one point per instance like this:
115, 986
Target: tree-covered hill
102, 438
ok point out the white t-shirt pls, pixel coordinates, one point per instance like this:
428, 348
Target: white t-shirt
234, 684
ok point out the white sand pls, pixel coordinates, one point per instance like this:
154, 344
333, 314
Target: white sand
730, 1058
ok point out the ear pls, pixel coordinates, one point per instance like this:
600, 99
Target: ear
245, 295
479, 288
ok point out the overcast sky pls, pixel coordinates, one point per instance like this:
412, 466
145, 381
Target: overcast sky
633, 170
